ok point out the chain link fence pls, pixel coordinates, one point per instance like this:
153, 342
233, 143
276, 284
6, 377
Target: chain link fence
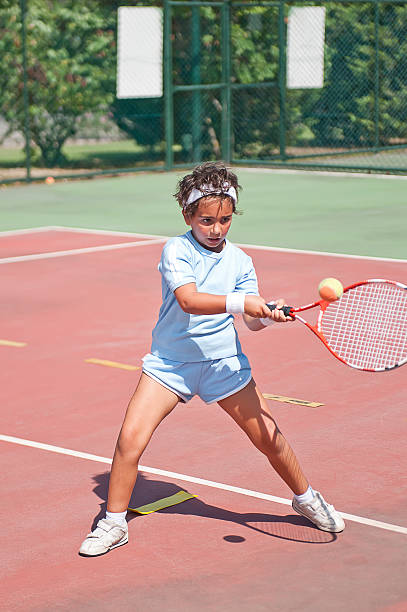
96, 88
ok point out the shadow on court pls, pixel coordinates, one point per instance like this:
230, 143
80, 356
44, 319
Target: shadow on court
290, 527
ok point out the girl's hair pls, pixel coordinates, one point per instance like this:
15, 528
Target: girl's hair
215, 174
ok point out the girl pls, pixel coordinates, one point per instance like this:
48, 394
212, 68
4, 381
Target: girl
196, 351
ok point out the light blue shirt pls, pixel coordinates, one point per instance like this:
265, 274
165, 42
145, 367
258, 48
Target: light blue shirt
184, 337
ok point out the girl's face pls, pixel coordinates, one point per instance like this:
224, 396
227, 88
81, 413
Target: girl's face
211, 222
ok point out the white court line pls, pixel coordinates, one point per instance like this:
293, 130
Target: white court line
331, 173
242, 245
30, 230
107, 247
84, 230
164, 238
79, 230
200, 481
320, 253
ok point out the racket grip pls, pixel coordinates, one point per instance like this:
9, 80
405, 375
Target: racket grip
286, 309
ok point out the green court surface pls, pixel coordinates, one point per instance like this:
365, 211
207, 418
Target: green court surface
354, 214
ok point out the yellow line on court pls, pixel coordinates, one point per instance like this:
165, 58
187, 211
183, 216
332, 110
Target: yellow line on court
291, 400
166, 502
12, 343
112, 364
276, 398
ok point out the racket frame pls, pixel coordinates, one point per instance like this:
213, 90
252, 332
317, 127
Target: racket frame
323, 305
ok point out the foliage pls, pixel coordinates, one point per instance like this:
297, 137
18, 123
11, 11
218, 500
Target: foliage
362, 104
71, 61
344, 112
140, 118
70, 68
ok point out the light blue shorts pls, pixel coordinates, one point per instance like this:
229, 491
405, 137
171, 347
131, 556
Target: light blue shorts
212, 381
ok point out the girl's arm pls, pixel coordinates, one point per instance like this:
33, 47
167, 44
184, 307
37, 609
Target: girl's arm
194, 302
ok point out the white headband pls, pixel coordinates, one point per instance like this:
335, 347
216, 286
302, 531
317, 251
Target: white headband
197, 194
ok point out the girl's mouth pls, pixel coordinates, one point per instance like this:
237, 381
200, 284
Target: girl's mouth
214, 243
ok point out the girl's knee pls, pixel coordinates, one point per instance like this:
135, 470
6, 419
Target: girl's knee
131, 442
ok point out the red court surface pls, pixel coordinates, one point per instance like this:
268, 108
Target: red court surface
223, 550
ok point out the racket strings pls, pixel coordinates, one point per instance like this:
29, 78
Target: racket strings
367, 327
383, 327
368, 344
381, 346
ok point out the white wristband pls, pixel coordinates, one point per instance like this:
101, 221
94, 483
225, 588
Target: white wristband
235, 302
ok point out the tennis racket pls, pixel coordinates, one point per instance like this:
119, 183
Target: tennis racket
366, 328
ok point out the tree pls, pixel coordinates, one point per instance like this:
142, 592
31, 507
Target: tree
362, 104
354, 109
70, 68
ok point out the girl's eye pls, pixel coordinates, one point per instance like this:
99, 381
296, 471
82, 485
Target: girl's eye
226, 219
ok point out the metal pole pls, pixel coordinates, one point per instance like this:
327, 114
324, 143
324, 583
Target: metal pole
27, 137
196, 80
282, 69
376, 75
168, 89
226, 90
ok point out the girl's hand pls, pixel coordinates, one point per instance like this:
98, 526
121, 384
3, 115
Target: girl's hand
256, 307
277, 314
257, 314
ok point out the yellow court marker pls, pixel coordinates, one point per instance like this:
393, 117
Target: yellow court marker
113, 364
291, 400
166, 502
12, 343
276, 398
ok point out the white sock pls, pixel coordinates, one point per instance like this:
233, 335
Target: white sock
307, 497
117, 517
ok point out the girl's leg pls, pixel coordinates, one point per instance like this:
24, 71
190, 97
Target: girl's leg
150, 404
250, 411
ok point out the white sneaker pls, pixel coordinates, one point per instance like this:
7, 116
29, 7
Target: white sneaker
323, 515
105, 537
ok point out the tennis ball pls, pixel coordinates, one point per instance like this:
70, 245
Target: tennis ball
50, 180
330, 289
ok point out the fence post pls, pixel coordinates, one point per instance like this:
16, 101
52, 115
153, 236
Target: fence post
376, 75
196, 80
168, 88
23, 7
282, 68
226, 90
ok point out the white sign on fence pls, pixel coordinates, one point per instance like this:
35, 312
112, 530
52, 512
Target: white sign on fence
139, 52
305, 47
